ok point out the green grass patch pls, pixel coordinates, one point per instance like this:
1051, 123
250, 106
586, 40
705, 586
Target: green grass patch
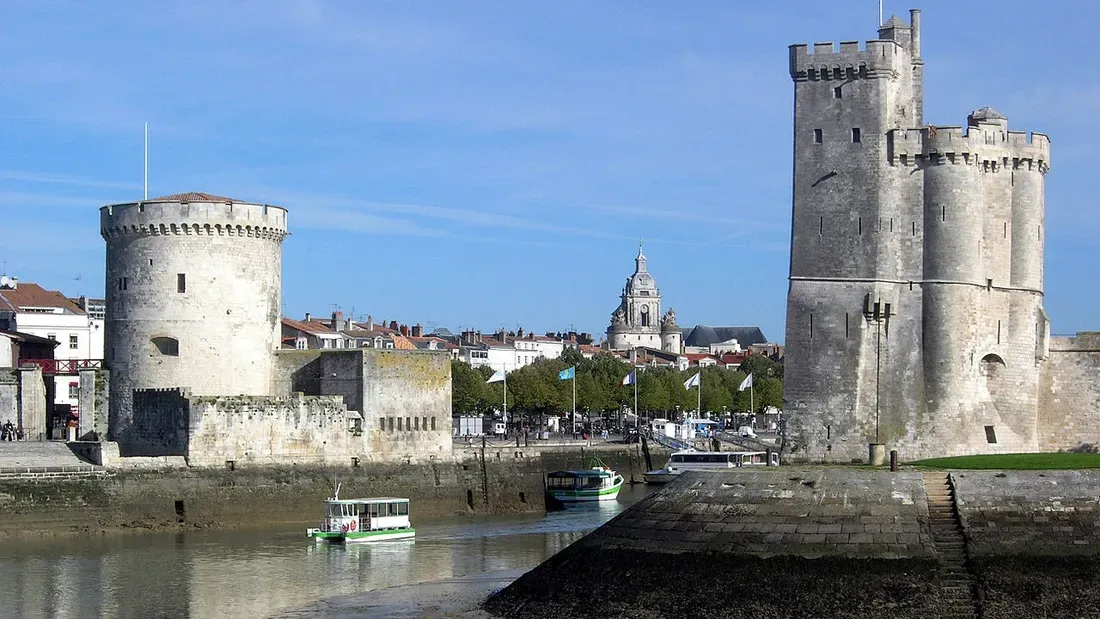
1015, 462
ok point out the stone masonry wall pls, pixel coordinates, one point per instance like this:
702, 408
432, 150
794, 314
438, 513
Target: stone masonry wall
409, 392
258, 430
160, 422
9, 395
1069, 395
1030, 513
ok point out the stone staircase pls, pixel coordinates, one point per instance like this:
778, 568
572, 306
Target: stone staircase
956, 582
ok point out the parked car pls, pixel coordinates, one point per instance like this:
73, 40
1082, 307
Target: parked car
746, 431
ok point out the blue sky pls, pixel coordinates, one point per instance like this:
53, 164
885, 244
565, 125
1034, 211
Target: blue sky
494, 163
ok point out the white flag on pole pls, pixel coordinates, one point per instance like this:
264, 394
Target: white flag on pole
497, 377
692, 382
745, 384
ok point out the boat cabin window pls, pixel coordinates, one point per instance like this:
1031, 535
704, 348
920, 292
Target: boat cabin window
701, 458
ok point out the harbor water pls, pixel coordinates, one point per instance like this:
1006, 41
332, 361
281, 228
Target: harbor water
262, 572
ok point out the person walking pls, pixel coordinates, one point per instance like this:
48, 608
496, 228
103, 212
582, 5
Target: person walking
7, 433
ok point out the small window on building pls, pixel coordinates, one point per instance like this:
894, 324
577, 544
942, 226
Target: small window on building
74, 390
51, 336
817, 136
433, 424
855, 134
990, 435
166, 346
408, 423
400, 427
837, 94
181, 282
73, 342
417, 423
391, 424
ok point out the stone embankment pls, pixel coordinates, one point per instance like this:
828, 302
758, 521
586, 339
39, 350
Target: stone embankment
497, 479
835, 543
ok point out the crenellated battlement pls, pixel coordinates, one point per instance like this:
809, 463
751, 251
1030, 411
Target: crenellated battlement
984, 144
186, 216
877, 58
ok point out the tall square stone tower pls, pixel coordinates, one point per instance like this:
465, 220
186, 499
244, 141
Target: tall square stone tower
914, 313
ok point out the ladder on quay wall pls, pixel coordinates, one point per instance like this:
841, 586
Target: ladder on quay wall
957, 587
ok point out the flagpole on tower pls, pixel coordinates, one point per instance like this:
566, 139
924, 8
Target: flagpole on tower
146, 160
635, 398
505, 399
880, 13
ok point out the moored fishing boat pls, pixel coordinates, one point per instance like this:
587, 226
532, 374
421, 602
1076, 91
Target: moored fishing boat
598, 483
363, 520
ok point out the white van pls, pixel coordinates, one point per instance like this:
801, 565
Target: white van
746, 431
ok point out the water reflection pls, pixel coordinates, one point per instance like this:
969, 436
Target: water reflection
258, 573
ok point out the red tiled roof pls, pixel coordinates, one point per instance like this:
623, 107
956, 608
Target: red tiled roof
400, 342
27, 294
312, 327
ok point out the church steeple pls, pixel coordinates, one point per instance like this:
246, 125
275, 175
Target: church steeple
639, 262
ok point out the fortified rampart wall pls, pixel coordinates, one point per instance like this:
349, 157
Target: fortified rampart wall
1069, 394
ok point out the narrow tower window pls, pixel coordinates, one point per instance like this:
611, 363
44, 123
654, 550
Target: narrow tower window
943, 212
1006, 230
845, 324
860, 226
837, 94
181, 282
820, 226
891, 224
811, 326
855, 134
914, 224
990, 435
817, 136
998, 331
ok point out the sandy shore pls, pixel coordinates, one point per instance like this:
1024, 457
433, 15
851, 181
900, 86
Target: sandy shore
452, 598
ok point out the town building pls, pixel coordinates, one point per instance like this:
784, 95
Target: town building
28, 308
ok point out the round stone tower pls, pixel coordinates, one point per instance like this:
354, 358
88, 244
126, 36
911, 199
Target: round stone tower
193, 298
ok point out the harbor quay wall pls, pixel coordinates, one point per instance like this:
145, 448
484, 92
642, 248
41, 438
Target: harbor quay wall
838, 542
496, 481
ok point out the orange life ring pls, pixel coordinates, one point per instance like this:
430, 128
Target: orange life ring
351, 525
344, 527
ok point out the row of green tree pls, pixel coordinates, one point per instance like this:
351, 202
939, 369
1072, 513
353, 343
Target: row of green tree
535, 389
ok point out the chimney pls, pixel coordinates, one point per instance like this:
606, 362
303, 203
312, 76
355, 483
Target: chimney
393, 325
417, 330
404, 330
338, 323
477, 336
572, 336
308, 317
370, 322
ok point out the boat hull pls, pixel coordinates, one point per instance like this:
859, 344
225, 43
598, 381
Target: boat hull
610, 493
349, 537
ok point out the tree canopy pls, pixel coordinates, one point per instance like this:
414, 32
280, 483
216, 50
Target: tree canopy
535, 391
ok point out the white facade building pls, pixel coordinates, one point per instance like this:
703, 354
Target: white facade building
29, 308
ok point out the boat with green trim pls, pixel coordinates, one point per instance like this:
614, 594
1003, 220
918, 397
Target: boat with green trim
598, 483
363, 520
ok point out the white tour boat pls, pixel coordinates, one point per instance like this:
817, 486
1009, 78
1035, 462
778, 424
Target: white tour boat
363, 520
681, 461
